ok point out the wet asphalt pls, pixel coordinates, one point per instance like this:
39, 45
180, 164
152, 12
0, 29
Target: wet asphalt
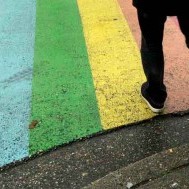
78, 164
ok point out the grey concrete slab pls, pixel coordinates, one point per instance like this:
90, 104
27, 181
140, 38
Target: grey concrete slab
169, 168
78, 164
178, 179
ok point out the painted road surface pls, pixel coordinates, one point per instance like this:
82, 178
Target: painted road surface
17, 32
72, 68
63, 102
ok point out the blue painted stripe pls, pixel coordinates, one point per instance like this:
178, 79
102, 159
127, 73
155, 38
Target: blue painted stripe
17, 33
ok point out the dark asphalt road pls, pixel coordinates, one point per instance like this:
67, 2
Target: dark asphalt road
78, 164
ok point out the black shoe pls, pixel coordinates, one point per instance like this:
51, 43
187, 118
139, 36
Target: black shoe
154, 99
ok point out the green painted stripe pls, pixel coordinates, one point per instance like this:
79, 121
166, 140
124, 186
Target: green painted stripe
63, 101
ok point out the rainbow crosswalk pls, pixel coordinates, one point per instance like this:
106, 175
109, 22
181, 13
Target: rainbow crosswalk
69, 69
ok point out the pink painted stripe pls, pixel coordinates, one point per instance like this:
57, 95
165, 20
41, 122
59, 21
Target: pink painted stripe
175, 20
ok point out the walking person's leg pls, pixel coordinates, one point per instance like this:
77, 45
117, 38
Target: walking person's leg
154, 90
184, 26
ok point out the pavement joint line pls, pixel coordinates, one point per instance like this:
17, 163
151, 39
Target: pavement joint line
101, 133
160, 175
156, 165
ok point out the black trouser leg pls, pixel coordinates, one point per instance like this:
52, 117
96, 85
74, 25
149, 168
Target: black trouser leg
152, 28
184, 26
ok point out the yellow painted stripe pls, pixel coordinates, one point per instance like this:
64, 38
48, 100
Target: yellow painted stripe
115, 63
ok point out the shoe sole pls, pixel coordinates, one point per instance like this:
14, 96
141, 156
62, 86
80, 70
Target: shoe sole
155, 110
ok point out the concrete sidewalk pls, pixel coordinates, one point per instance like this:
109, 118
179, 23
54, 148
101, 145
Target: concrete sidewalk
168, 169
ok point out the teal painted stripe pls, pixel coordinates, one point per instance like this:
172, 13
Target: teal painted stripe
17, 27
64, 102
